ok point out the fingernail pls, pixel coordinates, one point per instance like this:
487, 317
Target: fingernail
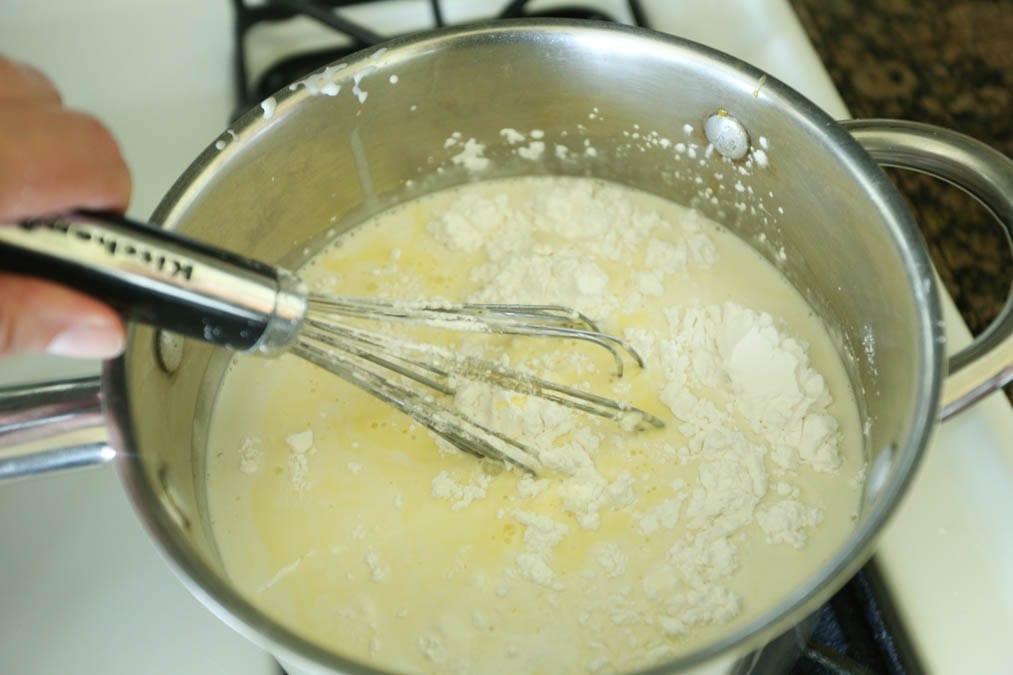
88, 340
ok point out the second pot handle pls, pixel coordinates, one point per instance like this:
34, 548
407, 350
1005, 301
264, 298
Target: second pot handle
55, 416
985, 365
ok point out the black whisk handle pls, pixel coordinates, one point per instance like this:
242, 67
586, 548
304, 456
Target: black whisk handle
161, 278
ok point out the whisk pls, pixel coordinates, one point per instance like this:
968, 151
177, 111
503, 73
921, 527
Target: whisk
164, 279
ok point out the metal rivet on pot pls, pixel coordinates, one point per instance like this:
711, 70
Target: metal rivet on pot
727, 135
169, 350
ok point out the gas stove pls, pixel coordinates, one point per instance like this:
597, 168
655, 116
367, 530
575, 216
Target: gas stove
83, 588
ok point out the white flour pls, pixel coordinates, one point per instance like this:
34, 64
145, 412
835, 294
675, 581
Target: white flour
445, 487
301, 447
541, 535
250, 452
740, 388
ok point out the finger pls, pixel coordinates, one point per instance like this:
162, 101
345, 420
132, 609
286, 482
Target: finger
37, 316
20, 83
53, 159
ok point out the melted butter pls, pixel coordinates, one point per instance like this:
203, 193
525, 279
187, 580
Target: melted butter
367, 562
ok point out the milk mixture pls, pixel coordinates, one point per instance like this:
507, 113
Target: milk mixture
346, 521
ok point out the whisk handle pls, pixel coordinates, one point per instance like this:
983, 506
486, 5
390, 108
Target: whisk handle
158, 277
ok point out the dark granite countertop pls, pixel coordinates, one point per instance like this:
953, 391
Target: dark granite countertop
944, 62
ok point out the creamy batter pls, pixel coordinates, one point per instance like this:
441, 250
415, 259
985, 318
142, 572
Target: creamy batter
349, 523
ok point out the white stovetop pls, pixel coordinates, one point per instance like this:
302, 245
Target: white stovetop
83, 588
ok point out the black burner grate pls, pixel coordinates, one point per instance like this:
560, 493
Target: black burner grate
859, 633
250, 14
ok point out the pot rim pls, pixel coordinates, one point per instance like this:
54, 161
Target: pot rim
237, 612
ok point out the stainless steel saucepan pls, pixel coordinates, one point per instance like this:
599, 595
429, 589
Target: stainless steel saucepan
308, 165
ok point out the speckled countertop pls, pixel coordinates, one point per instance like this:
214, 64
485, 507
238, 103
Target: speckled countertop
944, 62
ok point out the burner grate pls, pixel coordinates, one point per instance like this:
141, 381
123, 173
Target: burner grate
250, 14
858, 633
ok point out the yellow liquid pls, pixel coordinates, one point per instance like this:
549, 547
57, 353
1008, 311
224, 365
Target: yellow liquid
347, 544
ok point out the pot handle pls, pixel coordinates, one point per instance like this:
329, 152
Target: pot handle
41, 428
985, 365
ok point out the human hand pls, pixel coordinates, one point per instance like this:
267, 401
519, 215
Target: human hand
51, 160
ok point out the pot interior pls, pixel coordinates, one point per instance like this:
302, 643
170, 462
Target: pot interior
813, 204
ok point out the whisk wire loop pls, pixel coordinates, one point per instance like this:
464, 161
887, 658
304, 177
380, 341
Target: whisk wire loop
332, 338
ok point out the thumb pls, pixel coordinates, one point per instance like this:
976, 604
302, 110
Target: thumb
37, 316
